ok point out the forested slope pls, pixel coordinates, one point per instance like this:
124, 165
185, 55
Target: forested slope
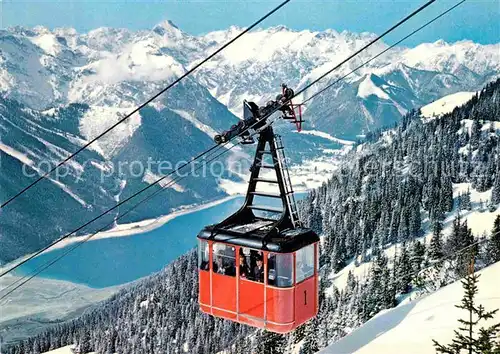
393, 207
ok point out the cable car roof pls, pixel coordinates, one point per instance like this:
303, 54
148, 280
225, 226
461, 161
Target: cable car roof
286, 241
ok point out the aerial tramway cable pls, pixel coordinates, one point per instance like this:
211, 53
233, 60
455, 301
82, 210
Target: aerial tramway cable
207, 151
187, 73
23, 280
212, 148
116, 124
450, 256
369, 44
40, 269
107, 211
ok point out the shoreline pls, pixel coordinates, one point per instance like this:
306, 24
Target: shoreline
139, 227
130, 229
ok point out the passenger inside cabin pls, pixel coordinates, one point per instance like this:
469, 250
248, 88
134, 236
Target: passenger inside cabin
204, 265
258, 272
244, 271
219, 266
253, 257
225, 265
230, 269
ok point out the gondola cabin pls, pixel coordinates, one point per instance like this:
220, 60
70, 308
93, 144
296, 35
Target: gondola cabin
279, 297
260, 266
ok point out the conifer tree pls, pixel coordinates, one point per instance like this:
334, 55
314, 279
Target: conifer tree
271, 343
315, 220
376, 290
339, 254
466, 340
495, 191
389, 299
415, 221
464, 201
436, 245
461, 241
404, 229
404, 271
446, 199
310, 345
417, 256
475, 134
494, 242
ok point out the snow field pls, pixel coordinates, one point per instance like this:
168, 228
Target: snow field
446, 104
410, 328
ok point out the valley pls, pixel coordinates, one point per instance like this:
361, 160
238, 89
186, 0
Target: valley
401, 154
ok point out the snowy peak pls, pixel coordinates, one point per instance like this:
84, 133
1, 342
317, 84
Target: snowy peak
139, 61
33, 69
446, 104
104, 39
412, 76
441, 56
372, 85
168, 25
168, 28
265, 44
50, 43
120, 67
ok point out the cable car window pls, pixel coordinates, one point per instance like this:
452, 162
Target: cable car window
224, 259
304, 264
280, 270
203, 257
251, 265
244, 263
317, 259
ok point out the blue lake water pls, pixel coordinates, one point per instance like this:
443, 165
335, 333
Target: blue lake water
118, 260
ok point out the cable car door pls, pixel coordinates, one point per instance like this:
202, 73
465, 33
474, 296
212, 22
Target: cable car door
224, 281
251, 290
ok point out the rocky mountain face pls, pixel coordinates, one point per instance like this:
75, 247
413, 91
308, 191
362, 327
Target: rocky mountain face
119, 68
60, 88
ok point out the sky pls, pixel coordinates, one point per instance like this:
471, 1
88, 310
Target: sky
477, 20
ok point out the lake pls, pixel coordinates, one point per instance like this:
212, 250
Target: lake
117, 260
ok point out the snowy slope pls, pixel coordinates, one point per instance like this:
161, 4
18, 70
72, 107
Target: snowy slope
108, 72
479, 220
64, 350
446, 104
97, 178
112, 70
410, 328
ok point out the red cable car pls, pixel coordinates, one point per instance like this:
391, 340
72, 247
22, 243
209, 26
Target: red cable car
260, 266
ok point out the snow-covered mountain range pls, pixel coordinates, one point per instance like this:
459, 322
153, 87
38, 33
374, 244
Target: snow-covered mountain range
119, 68
60, 88
377, 95
42, 75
